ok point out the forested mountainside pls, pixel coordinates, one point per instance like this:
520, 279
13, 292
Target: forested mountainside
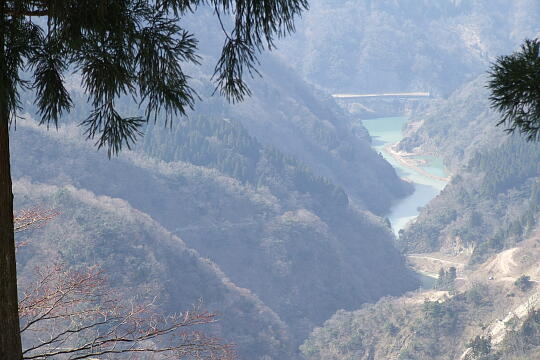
492, 199
484, 223
455, 128
302, 258
279, 129
382, 46
489, 205
394, 329
278, 191
142, 260
287, 113
486, 311
292, 116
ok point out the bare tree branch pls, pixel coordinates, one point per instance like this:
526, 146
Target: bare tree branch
74, 315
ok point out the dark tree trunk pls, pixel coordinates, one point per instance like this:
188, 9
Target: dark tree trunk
10, 338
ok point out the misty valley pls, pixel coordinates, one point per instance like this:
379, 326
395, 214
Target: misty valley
270, 180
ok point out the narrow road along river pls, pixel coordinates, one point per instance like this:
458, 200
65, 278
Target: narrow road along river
427, 174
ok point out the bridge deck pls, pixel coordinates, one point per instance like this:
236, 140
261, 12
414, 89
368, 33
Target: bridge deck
400, 95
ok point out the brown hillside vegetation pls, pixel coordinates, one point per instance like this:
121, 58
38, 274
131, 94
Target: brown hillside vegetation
489, 302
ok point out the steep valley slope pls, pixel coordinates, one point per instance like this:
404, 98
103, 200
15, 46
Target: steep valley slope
143, 261
270, 219
492, 200
484, 224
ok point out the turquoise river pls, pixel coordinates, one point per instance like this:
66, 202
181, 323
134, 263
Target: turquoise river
426, 176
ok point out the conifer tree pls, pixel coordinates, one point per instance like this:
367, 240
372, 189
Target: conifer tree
118, 47
515, 93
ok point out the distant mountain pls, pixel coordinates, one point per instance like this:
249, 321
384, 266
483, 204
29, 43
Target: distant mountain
379, 46
298, 120
292, 116
302, 123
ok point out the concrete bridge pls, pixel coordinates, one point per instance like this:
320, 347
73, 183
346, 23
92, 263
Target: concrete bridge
398, 95
382, 104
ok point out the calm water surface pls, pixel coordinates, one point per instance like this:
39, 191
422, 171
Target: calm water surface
386, 131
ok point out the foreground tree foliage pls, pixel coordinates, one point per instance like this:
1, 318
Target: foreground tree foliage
514, 89
118, 47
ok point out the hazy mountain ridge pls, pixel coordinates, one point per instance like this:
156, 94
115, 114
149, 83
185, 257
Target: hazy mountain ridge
309, 125
292, 117
382, 46
288, 115
271, 189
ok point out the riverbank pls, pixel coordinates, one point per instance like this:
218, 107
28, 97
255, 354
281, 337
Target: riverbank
413, 164
427, 175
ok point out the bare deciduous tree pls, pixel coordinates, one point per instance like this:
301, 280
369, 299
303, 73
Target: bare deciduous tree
74, 314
